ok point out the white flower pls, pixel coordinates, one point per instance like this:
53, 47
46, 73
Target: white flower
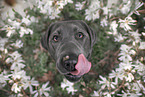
107, 94
31, 3
119, 37
28, 20
97, 94
105, 10
140, 68
14, 55
18, 74
29, 83
126, 65
10, 30
104, 22
9, 5
60, 4
125, 53
68, 1
92, 12
91, 15
3, 78
54, 14
136, 36
79, 6
144, 79
52, 8
43, 90
137, 87
137, 6
25, 31
113, 28
143, 32
124, 1
68, 85
2, 43
142, 45
16, 61
129, 77
45, 6
16, 88
111, 2
134, 95
141, 86
125, 57
126, 7
124, 94
18, 44
5, 51
117, 74
125, 23
105, 83
17, 64
14, 23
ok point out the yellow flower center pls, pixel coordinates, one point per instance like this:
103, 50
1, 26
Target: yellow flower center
8, 28
10, 2
126, 21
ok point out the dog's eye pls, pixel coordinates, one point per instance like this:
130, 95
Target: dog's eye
55, 38
80, 35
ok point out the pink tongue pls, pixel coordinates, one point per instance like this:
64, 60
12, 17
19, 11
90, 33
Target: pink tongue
83, 66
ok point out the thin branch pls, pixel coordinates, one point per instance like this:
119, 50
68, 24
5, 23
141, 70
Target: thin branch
5, 90
122, 85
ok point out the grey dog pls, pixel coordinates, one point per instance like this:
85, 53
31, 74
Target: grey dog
70, 45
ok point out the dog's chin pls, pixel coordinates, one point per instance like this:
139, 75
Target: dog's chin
72, 78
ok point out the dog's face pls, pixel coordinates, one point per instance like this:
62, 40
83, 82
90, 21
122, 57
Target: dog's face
70, 44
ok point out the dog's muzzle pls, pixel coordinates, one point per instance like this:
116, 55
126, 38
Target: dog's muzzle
75, 67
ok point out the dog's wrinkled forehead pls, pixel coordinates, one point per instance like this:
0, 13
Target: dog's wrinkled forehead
67, 26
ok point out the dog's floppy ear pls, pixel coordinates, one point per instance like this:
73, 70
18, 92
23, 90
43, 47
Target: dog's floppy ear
45, 37
91, 33
94, 36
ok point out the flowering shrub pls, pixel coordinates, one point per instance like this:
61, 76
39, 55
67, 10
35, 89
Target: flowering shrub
118, 57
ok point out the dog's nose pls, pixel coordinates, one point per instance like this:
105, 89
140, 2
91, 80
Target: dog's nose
70, 65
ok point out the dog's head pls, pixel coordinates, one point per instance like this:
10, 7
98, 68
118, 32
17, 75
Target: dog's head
70, 44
